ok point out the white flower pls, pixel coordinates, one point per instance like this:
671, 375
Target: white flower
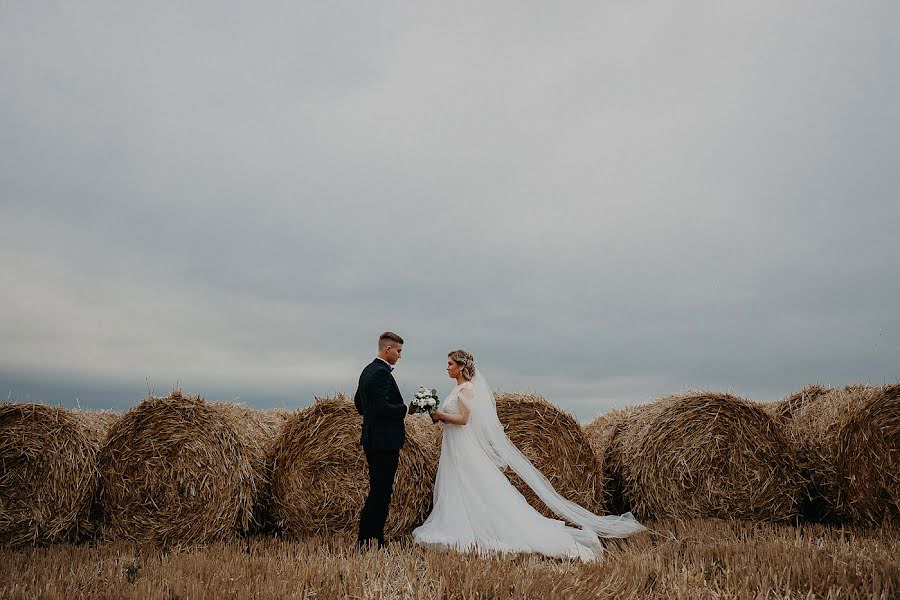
425, 400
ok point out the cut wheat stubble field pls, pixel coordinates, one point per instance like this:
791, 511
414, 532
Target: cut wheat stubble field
703, 558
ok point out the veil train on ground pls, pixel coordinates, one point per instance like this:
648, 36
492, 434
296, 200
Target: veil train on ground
493, 440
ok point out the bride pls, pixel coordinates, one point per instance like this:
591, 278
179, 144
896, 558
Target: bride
476, 507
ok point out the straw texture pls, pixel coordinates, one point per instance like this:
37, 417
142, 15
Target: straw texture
428, 433
706, 454
849, 445
784, 409
321, 479
556, 445
182, 470
48, 472
605, 436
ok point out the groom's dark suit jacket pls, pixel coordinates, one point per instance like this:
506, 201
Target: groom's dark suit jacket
379, 401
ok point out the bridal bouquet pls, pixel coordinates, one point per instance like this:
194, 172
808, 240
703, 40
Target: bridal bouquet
425, 400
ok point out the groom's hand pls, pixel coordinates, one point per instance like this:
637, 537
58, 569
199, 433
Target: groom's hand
410, 408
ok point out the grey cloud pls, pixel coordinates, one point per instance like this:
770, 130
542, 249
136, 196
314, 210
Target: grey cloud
604, 202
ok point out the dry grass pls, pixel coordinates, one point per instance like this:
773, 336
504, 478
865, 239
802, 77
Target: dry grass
320, 477
181, 470
556, 445
261, 426
703, 559
849, 444
605, 436
425, 431
48, 471
783, 410
701, 454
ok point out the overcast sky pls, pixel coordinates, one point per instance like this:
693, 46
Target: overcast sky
605, 202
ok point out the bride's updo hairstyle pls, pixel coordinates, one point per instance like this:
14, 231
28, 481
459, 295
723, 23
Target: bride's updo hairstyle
466, 361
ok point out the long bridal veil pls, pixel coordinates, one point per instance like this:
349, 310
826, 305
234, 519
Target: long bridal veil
486, 427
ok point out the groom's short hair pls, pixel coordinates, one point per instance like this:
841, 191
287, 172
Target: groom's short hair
389, 338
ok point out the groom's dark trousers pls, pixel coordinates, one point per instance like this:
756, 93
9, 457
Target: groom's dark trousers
379, 402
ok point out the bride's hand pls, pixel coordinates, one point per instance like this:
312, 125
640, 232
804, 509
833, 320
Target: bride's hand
435, 416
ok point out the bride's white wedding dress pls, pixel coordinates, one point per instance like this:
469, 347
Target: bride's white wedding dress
476, 507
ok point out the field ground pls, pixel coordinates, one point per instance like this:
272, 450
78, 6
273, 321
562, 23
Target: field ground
694, 559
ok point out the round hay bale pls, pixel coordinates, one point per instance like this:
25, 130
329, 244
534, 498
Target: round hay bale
783, 410
556, 445
605, 436
182, 470
48, 472
320, 478
706, 454
849, 446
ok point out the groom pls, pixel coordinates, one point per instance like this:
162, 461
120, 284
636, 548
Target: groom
379, 402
